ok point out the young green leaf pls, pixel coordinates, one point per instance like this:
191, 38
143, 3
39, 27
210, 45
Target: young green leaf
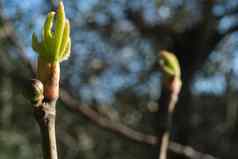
169, 64
54, 46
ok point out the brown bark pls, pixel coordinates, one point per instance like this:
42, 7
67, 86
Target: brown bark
45, 117
45, 111
49, 75
167, 102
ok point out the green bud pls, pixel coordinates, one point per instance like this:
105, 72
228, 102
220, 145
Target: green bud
170, 68
54, 46
169, 64
37, 91
33, 91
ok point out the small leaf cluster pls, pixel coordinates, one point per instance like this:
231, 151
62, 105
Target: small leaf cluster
54, 46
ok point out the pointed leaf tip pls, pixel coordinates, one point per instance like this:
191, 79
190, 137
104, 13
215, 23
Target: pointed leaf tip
48, 25
169, 63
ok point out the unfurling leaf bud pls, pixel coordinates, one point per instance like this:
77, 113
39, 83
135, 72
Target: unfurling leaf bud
170, 69
53, 48
169, 64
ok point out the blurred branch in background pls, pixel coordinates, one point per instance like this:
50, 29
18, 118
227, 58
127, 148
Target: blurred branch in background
125, 131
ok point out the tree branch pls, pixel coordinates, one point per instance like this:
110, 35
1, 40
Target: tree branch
167, 104
45, 117
74, 105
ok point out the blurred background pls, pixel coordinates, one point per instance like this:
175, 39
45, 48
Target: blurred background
115, 44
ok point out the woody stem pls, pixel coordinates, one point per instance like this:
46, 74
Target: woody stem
167, 104
45, 116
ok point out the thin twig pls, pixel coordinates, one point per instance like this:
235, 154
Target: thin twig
189, 152
45, 117
121, 129
167, 103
